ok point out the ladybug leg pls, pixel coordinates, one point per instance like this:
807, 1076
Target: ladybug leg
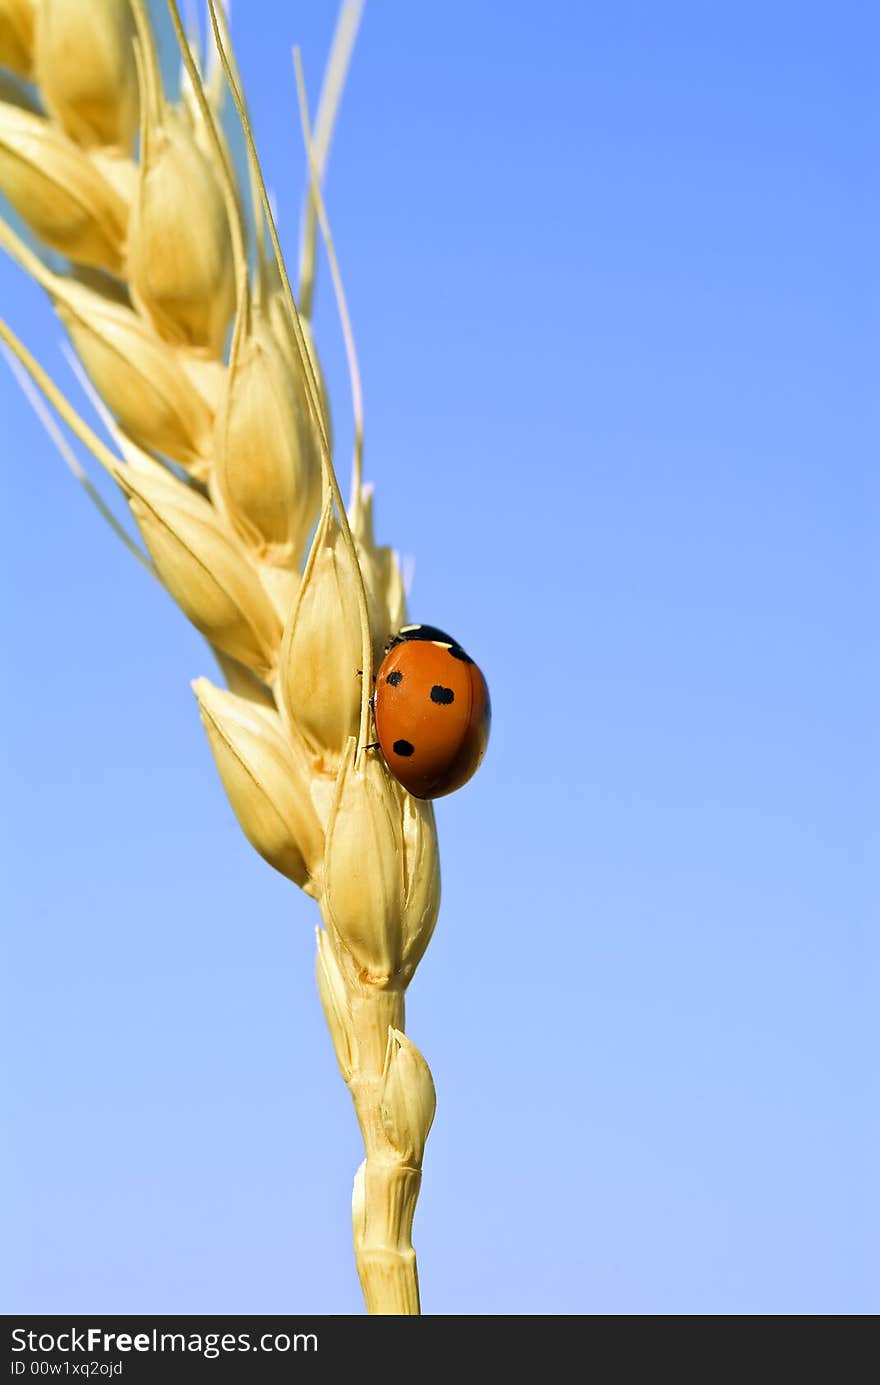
360, 674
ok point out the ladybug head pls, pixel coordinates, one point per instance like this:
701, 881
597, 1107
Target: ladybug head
432, 635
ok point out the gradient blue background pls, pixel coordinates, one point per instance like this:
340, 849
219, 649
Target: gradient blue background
609, 270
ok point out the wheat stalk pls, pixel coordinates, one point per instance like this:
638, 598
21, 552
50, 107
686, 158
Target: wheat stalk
223, 454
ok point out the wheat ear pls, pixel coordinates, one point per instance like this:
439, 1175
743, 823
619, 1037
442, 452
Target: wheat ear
209, 378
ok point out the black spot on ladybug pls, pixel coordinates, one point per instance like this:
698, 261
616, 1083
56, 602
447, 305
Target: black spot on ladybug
403, 748
458, 653
442, 695
395, 678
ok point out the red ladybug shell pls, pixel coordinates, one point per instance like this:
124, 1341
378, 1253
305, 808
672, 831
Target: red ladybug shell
432, 712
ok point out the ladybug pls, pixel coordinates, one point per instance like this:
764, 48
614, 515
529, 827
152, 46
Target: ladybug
432, 711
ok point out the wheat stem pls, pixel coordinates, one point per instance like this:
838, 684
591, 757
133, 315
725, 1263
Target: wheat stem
386, 1260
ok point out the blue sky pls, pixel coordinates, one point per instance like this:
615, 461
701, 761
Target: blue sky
609, 271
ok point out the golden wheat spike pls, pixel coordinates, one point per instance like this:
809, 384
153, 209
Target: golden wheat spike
225, 461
